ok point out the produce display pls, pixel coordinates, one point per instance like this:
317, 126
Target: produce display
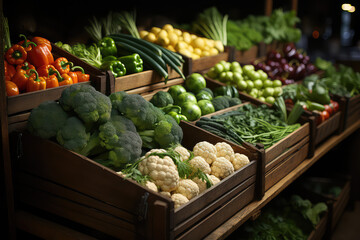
123, 53
313, 96
183, 42
288, 64
194, 99
252, 124
341, 80
30, 66
247, 79
182, 174
287, 217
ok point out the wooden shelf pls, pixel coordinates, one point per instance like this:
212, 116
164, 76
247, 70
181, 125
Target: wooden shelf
253, 208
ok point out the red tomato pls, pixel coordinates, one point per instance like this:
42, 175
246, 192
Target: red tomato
324, 115
329, 109
335, 106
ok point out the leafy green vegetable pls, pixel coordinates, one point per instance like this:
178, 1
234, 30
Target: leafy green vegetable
212, 24
253, 124
242, 36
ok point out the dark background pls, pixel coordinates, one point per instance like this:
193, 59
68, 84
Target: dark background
65, 21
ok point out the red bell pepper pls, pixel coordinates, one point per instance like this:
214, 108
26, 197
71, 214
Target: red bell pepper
16, 55
51, 81
40, 55
9, 71
26, 43
11, 88
73, 76
64, 79
41, 40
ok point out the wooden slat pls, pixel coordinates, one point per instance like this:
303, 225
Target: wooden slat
327, 128
46, 229
280, 171
161, 85
319, 232
78, 213
279, 147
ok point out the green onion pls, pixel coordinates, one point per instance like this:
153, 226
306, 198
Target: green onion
128, 21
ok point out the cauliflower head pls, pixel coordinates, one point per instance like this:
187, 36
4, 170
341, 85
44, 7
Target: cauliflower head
151, 186
222, 167
215, 180
188, 188
179, 199
224, 149
239, 160
205, 150
199, 162
162, 171
167, 194
184, 153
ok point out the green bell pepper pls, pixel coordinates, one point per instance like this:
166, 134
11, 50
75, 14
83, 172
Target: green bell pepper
107, 47
133, 63
171, 108
177, 116
115, 66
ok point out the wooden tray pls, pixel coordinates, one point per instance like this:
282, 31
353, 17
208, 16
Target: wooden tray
54, 180
200, 64
351, 111
19, 106
285, 155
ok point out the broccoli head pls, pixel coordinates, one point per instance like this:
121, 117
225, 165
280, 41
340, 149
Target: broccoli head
162, 99
220, 102
90, 105
122, 142
72, 135
140, 111
168, 132
46, 119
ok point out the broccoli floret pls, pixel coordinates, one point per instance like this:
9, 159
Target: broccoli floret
46, 119
220, 102
74, 136
140, 111
168, 132
162, 99
90, 105
234, 101
122, 142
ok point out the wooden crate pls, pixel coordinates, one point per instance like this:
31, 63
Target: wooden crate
198, 65
51, 179
19, 106
321, 228
246, 57
281, 158
136, 80
351, 111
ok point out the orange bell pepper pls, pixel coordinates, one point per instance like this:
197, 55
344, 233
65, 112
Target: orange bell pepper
10, 71
26, 44
11, 88
16, 55
64, 79
81, 75
41, 40
51, 81
20, 79
26, 66
35, 83
62, 65
73, 76
40, 55
43, 71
